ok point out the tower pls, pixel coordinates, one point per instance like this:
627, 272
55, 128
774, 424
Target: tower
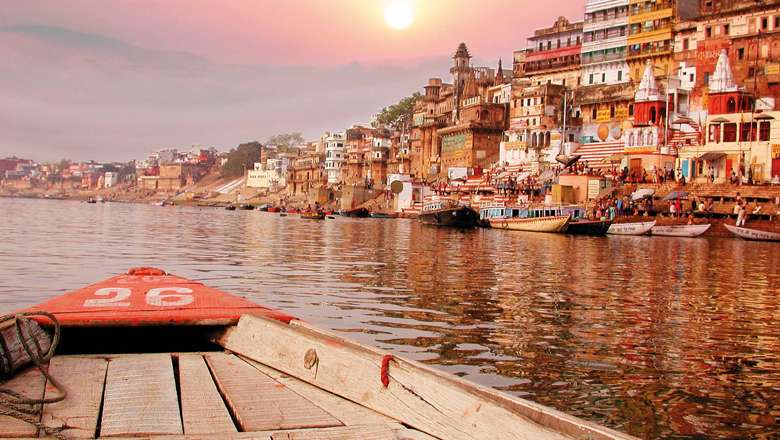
500, 73
649, 105
724, 95
461, 69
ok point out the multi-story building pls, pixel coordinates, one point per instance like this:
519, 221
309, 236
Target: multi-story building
553, 55
444, 106
306, 174
749, 31
334, 156
650, 33
605, 42
739, 140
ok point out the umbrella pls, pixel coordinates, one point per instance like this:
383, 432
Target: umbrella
642, 193
676, 195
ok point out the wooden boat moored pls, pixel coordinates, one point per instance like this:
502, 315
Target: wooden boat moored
531, 224
587, 227
753, 234
230, 207
274, 209
679, 230
356, 212
635, 228
378, 214
247, 207
153, 355
448, 213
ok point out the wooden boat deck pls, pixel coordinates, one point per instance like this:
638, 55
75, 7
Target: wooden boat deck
192, 396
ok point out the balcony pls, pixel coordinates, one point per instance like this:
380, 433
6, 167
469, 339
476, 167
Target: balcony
592, 59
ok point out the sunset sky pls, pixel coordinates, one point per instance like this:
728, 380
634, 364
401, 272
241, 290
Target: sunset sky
115, 79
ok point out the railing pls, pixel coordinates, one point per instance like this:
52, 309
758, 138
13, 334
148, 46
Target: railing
588, 59
606, 18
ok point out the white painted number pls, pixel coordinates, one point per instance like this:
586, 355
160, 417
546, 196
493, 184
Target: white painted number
121, 293
169, 296
160, 296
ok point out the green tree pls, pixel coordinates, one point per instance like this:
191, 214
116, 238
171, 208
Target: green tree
396, 115
241, 158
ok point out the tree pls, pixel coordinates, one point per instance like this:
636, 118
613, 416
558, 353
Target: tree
241, 158
285, 142
397, 115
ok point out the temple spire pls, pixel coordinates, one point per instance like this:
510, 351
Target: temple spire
648, 88
722, 79
500, 73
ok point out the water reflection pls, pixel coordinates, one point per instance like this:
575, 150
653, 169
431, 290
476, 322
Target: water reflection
658, 337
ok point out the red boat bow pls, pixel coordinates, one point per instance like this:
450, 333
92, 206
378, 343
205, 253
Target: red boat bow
151, 297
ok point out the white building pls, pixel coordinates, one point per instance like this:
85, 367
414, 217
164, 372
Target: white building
605, 42
269, 176
110, 179
334, 156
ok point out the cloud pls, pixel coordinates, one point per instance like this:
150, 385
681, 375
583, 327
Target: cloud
72, 94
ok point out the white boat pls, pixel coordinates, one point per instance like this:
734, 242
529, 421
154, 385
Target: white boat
753, 234
637, 228
680, 230
539, 224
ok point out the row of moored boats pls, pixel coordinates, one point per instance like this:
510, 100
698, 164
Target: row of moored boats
569, 219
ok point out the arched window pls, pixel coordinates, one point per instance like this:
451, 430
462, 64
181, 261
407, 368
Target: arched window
731, 106
652, 115
533, 140
547, 139
650, 140
612, 111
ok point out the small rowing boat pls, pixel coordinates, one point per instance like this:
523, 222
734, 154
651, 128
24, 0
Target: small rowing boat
274, 209
634, 228
230, 207
753, 234
313, 215
679, 230
152, 355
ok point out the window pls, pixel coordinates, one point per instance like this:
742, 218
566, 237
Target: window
653, 115
620, 75
706, 77
631, 110
549, 45
726, 29
590, 79
730, 132
708, 32
612, 111
715, 133
685, 44
777, 22
763, 132
559, 43
593, 114
603, 77
764, 23
741, 53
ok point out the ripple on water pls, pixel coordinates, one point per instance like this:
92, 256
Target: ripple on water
660, 338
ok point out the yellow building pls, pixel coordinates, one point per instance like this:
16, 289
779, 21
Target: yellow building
650, 33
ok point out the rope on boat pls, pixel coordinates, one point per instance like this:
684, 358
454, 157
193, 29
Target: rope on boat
16, 405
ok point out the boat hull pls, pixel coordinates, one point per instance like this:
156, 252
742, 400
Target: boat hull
680, 230
753, 234
588, 227
640, 228
540, 224
356, 213
313, 216
460, 217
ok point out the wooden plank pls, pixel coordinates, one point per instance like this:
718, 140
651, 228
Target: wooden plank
29, 383
431, 401
260, 403
83, 378
348, 412
202, 408
381, 431
140, 397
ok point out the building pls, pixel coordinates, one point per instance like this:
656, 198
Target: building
605, 43
553, 55
271, 176
307, 174
110, 179
334, 156
739, 140
650, 33
749, 32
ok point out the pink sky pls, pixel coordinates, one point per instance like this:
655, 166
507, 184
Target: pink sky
124, 48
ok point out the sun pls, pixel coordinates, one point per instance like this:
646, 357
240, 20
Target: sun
399, 14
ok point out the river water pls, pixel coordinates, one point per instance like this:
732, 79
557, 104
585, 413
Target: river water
657, 337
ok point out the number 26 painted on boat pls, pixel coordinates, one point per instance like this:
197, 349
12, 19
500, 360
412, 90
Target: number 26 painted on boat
159, 296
